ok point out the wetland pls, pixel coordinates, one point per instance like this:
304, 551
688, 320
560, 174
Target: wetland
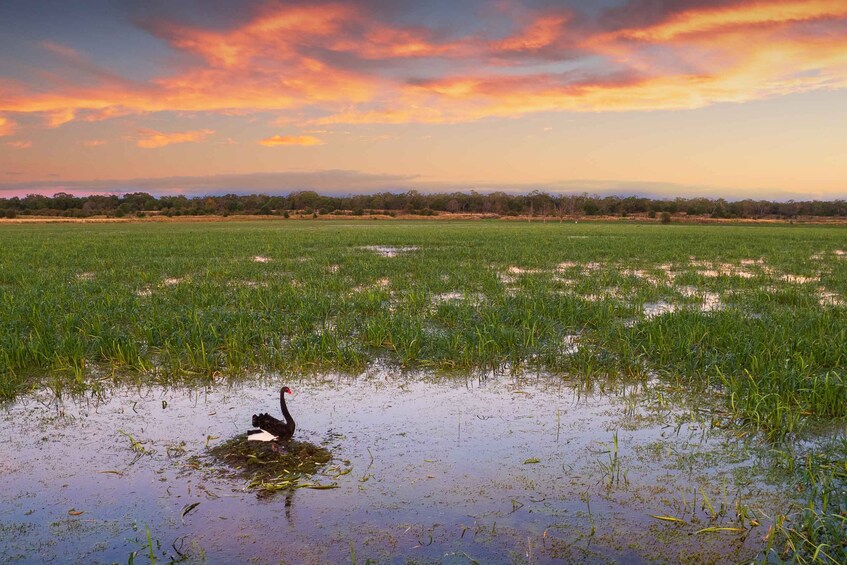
466, 391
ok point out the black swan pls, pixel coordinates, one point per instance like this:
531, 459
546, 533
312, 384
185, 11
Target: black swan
269, 427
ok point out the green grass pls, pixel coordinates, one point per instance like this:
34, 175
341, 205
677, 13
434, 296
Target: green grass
85, 305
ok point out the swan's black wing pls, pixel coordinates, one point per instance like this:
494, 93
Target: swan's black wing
270, 424
263, 417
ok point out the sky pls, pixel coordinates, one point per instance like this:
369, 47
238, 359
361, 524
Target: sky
719, 98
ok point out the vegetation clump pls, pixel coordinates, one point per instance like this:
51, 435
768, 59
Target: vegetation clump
271, 466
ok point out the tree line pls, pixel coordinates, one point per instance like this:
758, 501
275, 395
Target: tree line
412, 202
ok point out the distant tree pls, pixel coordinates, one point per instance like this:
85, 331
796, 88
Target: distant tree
590, 208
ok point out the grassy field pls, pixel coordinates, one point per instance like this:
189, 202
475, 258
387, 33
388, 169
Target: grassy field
756, 314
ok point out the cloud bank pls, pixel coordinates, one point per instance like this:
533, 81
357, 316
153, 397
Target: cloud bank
344, 182
358, 62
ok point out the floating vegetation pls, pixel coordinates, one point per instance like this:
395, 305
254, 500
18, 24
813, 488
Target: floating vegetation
135, 445
270, 466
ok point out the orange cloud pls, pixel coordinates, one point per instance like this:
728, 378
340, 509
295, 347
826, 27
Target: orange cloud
252, 68
747, 15
150, 139
19, 144
56, 118
291, 140
94, 142
543, 31
692, 59
384, 42
279, 32
7, 127
276, 31
746, 51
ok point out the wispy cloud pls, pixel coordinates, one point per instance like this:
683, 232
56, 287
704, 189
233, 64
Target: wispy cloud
151, 139
23, 144
291, 140
94, 142
541, 32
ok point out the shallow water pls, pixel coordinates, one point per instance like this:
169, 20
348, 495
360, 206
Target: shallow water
391, 250
442, 470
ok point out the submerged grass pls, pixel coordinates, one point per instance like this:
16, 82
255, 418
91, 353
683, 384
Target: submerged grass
815, 529
752, 315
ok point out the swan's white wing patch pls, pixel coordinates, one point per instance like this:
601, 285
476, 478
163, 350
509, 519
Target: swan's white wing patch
263, 436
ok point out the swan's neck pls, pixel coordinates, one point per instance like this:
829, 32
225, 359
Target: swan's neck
285, 414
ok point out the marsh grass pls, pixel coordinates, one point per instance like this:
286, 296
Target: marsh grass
200, 315
81, 306
814, 530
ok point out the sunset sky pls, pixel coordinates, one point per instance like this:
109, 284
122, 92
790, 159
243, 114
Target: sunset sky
732, 98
